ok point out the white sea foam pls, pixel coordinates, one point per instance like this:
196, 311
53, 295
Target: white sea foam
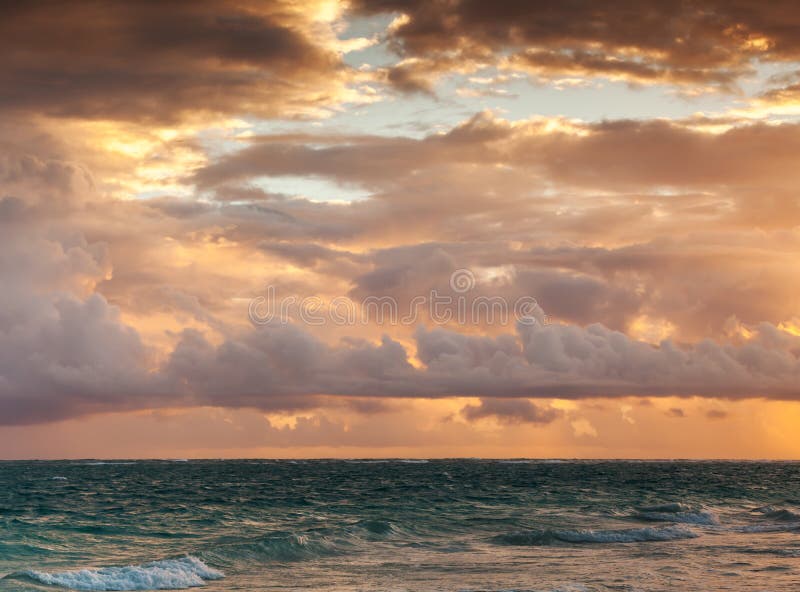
169, 574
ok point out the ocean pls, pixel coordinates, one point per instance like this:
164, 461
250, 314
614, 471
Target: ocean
365, 525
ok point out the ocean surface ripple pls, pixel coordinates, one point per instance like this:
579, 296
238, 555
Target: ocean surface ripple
442, 525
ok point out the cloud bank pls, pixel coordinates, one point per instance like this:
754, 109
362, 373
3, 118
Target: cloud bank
179, 158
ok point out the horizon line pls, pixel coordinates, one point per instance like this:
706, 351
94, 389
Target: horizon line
400, 459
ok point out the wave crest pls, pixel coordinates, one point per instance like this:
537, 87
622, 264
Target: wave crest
375, 527
169, 574
673, 507
782, 514
280, 547
676, 512
631, 535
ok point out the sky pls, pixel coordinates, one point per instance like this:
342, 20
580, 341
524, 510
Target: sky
441, 228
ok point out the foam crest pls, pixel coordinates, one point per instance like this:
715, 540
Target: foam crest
169, 574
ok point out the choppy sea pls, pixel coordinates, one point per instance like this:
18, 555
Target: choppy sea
449, 525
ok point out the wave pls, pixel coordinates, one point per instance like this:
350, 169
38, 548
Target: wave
676, 512
668, 507
630, 535
168, 574
280, 547
781, 514
766, 528
291, 547
782, 520
100, 463
25, 550
377, 527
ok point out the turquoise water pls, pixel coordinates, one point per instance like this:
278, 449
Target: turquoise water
452, 525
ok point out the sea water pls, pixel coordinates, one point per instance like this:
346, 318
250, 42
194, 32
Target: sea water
449, 525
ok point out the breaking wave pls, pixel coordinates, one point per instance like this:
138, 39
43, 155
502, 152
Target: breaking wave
169, 574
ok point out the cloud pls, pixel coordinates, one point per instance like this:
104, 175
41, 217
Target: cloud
145, 200
714, 43
67, 352
63, 349
164, 61
582, 427
262, 368
511, 411
622, 155
66, 356
618, 222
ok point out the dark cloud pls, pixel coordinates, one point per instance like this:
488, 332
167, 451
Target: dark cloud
68, 358
272, 366
62, 355
586, 63
709, 42
161, 60
511, 411
280, 366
